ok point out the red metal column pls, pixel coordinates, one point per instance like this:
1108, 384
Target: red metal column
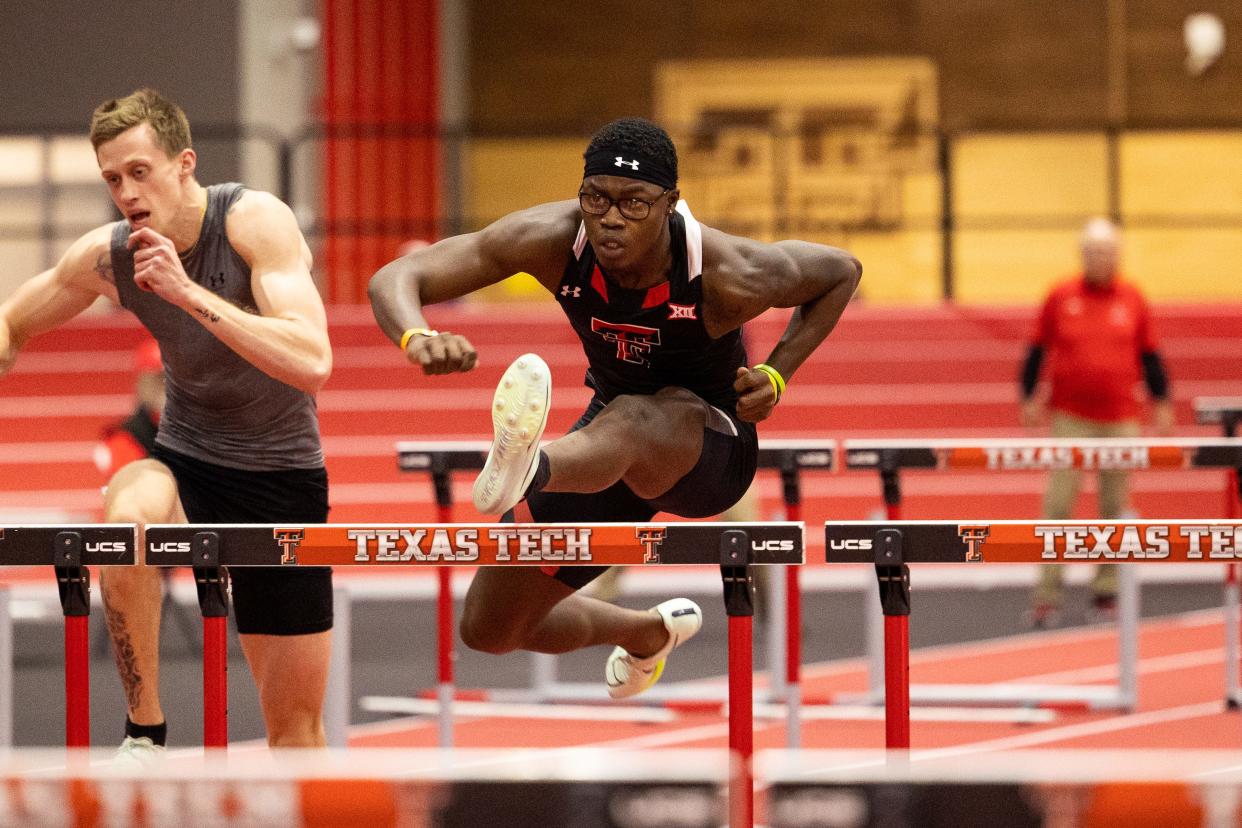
381, 91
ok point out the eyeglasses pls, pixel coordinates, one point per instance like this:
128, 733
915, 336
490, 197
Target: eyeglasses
598, 204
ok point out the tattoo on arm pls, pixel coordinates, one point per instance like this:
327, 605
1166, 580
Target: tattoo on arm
208, 315
103, 266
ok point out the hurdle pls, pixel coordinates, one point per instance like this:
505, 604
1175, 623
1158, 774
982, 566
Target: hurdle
69, 550
892, 545
373, 787
889, 457
734, 547
1227, 413
1077, 787
789, 458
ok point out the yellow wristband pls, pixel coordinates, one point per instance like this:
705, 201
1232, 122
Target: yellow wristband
413, 332
774, 376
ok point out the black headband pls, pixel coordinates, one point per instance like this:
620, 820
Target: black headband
612, 161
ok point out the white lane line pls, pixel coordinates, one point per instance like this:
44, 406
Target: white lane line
1112, 724
1145, 667
492, 710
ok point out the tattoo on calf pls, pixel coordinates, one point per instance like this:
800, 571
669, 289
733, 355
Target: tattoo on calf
103, 266
126, 661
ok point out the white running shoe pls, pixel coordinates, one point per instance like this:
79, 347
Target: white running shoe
519, 414
140, 751
627, 675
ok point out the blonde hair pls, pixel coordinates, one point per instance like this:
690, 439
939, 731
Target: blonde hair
168, 122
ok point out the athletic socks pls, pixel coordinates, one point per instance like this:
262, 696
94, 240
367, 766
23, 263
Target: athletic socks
158, 734
542, 472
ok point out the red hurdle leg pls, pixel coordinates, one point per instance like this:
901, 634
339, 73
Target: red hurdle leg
793, 643
740, 607
897, 681
445, 688
77, 682
73, 584
890, 483
741, 718
894, 583
215, 681
211, 582
1233, 584
1233, 637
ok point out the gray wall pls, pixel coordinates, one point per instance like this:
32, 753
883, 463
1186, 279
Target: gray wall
59, 59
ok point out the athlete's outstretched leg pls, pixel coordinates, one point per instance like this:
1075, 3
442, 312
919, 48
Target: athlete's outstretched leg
510, 609
524, 609
142, 492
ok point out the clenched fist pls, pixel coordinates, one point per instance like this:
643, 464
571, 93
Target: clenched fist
157, 267
443, 353
756, 397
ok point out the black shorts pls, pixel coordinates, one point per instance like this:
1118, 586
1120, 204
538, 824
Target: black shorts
267, 600
718, 480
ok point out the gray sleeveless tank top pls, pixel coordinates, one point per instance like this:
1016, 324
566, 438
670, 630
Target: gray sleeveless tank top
220, 408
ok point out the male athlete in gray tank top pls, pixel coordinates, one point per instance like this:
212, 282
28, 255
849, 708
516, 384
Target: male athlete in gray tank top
221, 277
221, 408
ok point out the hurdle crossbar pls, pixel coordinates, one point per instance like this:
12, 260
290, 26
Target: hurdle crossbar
784, 654
69, 550
892, 545
890, 457
734, 547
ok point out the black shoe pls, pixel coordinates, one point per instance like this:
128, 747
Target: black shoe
1103, 609
1042, 616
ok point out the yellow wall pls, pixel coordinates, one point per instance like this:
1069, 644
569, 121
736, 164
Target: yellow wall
1019, 200
1181, 206
504, 175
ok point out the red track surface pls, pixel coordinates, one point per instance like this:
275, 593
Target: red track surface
1181, 681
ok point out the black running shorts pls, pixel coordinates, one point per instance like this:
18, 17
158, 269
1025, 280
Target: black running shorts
720, 478
267, 600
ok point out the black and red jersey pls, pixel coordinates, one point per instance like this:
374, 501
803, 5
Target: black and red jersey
639, 341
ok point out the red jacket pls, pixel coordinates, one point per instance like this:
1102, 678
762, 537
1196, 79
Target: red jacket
1094, 339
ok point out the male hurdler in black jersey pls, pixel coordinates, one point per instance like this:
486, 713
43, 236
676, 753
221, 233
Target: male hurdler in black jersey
658, 301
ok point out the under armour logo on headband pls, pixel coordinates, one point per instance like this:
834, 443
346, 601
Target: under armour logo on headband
613, 160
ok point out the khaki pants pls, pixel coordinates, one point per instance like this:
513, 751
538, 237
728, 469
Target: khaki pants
1062, 491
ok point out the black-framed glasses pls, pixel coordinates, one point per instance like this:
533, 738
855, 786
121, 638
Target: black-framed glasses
597, 204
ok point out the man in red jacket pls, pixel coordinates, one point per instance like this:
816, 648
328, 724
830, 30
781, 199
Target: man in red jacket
134, 437
1095, 331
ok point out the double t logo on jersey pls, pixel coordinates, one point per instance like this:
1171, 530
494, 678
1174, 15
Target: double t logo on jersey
633, 342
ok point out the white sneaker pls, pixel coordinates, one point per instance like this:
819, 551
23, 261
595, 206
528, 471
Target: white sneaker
519, 415
140, 751
627, 675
